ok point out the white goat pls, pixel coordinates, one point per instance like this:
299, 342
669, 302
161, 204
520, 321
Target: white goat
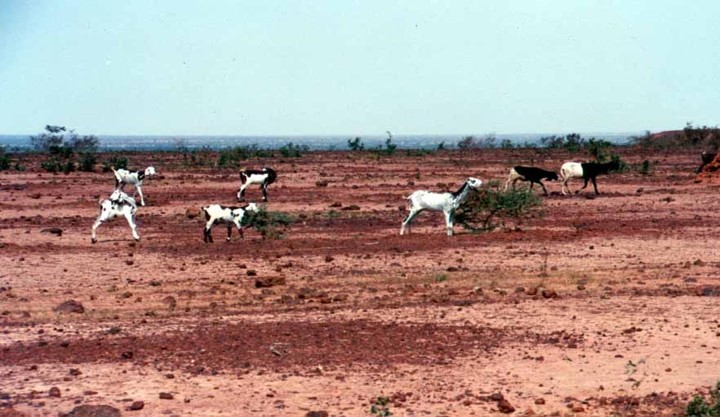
216, 213
263, 177
118, 204
123, 176
445, 202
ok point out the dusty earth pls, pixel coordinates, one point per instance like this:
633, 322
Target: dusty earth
606, 305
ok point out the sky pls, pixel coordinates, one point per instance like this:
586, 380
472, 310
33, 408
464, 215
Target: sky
329, 67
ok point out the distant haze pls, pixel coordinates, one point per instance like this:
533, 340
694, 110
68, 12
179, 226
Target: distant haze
357, 68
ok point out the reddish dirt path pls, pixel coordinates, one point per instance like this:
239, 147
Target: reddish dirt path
605, 304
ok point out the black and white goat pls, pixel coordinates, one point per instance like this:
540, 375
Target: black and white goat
123, 176
263, 177
532, 174
587, 171
216, 213
118, 204
446, 202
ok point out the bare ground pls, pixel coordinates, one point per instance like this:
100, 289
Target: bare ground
604, 306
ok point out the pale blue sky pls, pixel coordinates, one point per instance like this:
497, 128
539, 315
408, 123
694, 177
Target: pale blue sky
358, 67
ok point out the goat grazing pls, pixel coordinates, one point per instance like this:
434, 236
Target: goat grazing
118, 204
532, 174
216, 213
587, 171
445, 202
263, 177
123, 176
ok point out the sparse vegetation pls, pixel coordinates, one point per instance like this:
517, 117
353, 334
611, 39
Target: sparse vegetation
119, 162
4, 159
356, 144
381, 407
701, 407
704, 137
471, 142
271, 225
64, 147
291, 150
492, 207
231, 157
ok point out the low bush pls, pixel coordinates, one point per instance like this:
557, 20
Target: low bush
270, 225
116, 161
701, 407
491, 207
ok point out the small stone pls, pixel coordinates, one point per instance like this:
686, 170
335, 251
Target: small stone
70, 306
166, 396
267, 282
136, 405
316, 414
54, 392
505, 407
539, 401
93, 411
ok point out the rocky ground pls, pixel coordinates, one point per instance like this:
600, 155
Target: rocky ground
604, 306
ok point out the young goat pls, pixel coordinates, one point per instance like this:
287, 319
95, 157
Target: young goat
123, 176
118, 204
587, 171
216, 213
263, 177
532, 174
445, 202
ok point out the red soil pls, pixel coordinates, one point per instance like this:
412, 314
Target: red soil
606, 304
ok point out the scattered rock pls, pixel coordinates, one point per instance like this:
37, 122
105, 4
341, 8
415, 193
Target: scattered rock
166, 396
136, 405
70, 306
54, 392
352, 207
549, 294
267, 282
54, 230
505, 407
75, 372
191, 213
170, 302
539, 401
93, 411
251, 272
329, 258
708, 291
316, 414
321, 183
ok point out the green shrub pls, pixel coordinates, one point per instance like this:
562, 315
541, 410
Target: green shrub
700, 407
356, 144
63, 146
4, 159
88, 161
381, 407
118, 162
290, 150
269, 224
599, 149
645, 168
491, 207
